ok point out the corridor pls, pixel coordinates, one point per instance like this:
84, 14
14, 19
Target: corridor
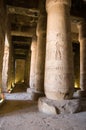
42, 65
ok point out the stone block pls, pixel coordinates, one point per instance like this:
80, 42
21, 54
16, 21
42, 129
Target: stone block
60, 106
34, 95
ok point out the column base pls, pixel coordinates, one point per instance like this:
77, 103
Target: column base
79, 94
58, 107
34, 95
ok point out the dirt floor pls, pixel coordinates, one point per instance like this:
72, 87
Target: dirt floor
24, 115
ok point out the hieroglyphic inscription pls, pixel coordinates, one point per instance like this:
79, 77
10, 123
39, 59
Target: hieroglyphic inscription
64, 78
56, 46
59, 46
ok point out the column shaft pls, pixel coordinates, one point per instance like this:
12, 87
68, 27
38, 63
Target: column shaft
27, 68
33, 61
5, 68
59, 80
40, 63
41, 44
82, 40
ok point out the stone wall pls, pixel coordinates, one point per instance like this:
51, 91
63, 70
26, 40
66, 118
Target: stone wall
19, 70
2, 36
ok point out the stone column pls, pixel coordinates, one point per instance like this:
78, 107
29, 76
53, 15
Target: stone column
31, 90
40, 53
2, 37
27, 68
41, 44
6, 55
59, 57
82, 40
11, 70
5, 68
40, 57
33, 62
59, 75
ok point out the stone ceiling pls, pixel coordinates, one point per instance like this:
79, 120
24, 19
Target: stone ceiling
23, 17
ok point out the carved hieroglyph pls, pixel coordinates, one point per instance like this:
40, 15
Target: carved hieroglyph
59, 56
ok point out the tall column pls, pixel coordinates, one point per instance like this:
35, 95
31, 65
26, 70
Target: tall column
38, 82
33, 61
82, 40
59, 58
59, 75
2, 37
6, 55
5, 67
27, 68
11, 70
41, 43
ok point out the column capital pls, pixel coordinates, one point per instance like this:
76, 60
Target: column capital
50, 3
82, 30
41, 26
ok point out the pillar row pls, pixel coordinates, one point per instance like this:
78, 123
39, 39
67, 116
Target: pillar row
82, 39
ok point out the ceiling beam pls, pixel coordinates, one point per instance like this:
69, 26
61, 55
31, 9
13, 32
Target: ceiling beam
21, 47
21, 42
23, 11
30, 33
20, 56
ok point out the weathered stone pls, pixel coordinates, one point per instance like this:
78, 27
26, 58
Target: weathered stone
40, 55
33, 61
19, 71
59, 77
27, 69
60, 106
2, 37
34, 94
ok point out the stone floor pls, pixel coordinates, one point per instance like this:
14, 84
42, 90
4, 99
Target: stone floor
24, 115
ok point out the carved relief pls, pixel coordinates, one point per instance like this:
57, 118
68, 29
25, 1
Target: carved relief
55, 45
59, 53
